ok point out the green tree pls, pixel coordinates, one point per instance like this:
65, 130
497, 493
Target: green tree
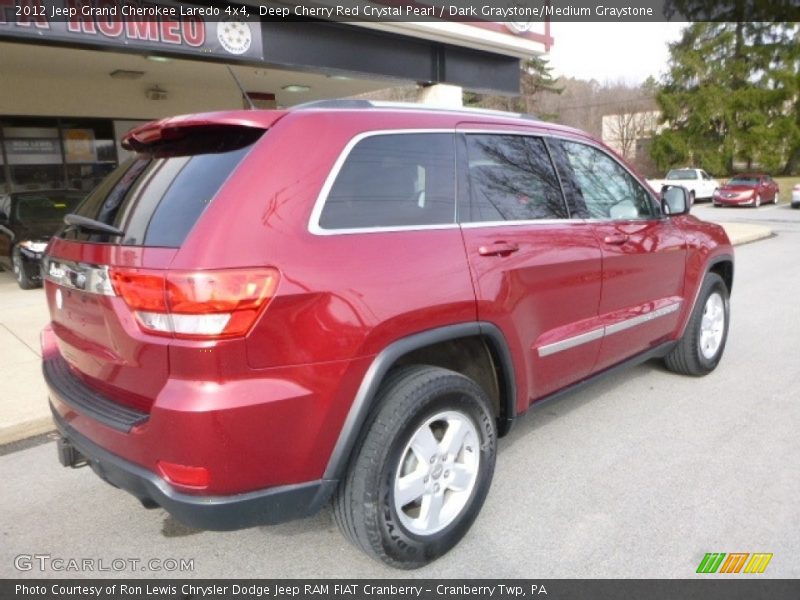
732, 93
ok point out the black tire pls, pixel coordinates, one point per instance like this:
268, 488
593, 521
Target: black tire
25, 282
364, 504
687, 357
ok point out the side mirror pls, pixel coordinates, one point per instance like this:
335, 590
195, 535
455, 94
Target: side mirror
674, 200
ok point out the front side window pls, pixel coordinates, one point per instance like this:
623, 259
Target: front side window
511, 178
394, 180
603, 188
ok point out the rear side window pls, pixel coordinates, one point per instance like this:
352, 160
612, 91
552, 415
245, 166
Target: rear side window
511, 178
157, 196
394, 180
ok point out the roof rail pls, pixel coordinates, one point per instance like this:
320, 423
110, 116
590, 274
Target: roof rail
334, 103
351, 103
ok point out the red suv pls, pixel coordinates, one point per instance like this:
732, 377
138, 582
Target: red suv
265, 311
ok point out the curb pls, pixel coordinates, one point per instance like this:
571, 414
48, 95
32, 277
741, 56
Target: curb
26, 429
744, 233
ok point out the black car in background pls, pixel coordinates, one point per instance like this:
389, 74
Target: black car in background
27, 221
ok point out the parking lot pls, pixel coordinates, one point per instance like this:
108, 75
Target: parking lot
636, 476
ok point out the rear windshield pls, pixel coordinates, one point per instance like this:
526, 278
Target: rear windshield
157, 196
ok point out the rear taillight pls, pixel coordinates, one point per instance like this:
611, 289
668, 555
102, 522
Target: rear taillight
196, 304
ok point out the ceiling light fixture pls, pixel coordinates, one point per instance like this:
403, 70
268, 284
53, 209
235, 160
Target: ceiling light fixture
126, 74
159, 59
294, 87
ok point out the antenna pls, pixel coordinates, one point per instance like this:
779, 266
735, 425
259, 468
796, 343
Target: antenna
241, 89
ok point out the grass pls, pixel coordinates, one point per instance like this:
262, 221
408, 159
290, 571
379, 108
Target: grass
786, 184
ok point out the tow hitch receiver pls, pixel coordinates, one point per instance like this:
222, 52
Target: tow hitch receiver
68, 455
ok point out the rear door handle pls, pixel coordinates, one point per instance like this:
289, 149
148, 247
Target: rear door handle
616, 239
498, 249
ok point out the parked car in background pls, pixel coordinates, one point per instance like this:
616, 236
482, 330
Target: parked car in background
747, 189
27, 221
796, 196
363, 319
700, 184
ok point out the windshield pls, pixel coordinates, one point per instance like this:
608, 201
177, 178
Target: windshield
682, 174
743, 181
45, 206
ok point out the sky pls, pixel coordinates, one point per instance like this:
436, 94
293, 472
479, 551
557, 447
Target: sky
614, 52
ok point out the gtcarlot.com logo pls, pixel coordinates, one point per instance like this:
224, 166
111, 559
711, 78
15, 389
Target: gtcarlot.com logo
48, 562
735, 562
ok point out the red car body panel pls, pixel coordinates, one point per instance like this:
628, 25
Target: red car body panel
267, 409
546, 291
632, 252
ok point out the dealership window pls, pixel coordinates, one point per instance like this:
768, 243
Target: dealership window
2, 170
46, 153
89, 151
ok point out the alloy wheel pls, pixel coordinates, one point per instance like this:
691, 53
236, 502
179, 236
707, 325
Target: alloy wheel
437, 472
712, 327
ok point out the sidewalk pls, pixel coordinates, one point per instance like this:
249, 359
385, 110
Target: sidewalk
744, 233
24, 411
23, 396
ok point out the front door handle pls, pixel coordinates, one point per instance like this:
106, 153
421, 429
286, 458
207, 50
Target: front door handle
616, 239
498, 249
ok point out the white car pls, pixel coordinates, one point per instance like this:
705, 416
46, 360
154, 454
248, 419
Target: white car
796, 196
699, 183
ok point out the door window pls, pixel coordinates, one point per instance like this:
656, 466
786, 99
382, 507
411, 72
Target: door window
511, 178
600, 187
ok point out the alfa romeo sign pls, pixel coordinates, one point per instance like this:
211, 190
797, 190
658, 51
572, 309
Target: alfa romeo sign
166, 26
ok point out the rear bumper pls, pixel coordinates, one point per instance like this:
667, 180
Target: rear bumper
263, 507
271, 430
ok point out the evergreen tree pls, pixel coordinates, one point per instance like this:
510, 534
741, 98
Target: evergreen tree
732, 94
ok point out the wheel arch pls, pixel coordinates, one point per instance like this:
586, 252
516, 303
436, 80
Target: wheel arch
434, 347
722, 265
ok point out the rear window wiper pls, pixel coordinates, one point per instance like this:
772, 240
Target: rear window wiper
91, 224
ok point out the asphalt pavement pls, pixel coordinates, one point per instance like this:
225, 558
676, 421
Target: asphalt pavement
636, 476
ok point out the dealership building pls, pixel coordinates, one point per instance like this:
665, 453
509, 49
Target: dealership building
72, 83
